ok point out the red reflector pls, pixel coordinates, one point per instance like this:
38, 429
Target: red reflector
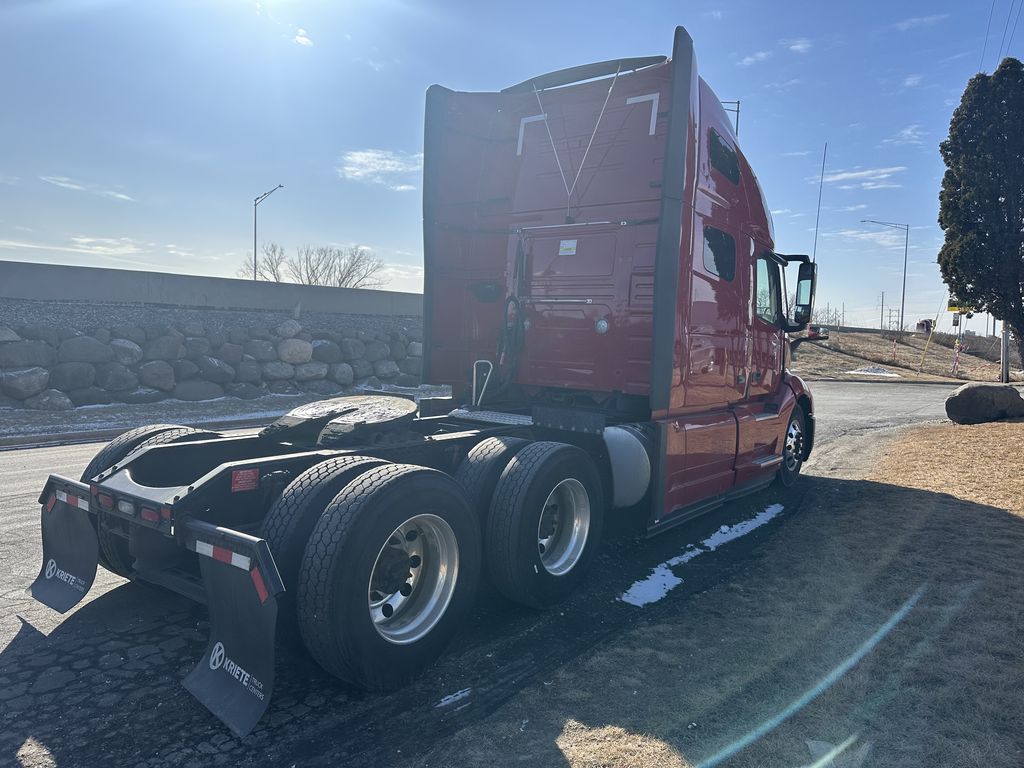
106, 500
94, 489
224, 555
50, 502
150, 515
245, 479
165, 513
72, 500
261, 588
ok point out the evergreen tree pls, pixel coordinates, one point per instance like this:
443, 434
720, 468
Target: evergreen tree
982, 199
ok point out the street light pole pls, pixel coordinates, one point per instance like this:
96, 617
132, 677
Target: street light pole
906, 250
255, 203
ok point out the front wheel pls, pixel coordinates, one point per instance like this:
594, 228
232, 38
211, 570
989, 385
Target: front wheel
793, 446
390, 569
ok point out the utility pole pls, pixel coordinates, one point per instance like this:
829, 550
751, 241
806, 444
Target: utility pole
256, 202
1004, 355
881, 317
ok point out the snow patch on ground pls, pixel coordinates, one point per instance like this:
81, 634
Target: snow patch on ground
452, 698
663, 580
875, 370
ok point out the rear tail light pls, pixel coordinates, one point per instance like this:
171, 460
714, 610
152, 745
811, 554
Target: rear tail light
149, 515
165, 513
106, 500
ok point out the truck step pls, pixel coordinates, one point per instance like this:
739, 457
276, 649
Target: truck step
493, 417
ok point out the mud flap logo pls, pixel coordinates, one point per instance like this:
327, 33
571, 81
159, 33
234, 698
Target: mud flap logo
53, 572
220, 660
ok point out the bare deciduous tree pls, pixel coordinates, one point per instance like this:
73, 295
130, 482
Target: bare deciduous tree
270, 265
353, 267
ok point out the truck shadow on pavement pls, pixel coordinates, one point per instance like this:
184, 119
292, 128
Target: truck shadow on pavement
743, 634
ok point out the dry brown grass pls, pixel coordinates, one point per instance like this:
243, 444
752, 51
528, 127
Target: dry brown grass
747, 658
844, 352
983, 463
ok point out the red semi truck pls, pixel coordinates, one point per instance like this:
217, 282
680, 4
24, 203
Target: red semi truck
603, 295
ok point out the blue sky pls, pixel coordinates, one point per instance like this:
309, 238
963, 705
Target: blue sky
136, 134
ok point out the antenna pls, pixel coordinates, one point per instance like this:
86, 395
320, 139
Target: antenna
817, 216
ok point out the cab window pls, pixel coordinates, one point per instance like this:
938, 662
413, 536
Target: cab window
719, 253
723, 157
766, 290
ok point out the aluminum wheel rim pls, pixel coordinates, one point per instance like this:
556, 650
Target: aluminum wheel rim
413, 579
563, 527
794, 447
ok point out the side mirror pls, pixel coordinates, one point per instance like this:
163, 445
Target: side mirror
804, 303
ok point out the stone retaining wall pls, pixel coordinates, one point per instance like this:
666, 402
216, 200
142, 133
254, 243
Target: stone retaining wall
142, 355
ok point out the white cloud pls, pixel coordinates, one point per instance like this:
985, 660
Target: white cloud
716, 15
783, 85
78, 186
780, 211
862, 178
302, 38
920, 21
797, 45
881, 238
118, 249
394, 170
847, 208
754, 58
9, 180
798, 153
911, 81
912, 134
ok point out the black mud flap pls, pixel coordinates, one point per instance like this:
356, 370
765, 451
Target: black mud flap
70, 549
235, 677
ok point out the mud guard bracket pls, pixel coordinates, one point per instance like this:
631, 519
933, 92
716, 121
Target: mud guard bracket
235, 677
70, 547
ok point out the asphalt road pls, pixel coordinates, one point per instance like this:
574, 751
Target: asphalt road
101, 685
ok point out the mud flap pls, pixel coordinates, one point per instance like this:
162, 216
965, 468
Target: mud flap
235, 677
70, 548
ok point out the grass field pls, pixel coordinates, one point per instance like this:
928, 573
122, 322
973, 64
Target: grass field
878, 624
845, 352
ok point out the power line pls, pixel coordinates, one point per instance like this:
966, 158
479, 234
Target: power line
1006, 27
981, 64
1009, 43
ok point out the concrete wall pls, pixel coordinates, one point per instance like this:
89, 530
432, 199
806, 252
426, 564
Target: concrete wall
50, 282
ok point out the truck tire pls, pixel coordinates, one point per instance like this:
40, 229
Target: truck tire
545, 523
479, 472
390, 570
113, 549
792, 448
294, 514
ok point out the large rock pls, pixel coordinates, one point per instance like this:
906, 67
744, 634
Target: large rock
407, 380
6, 334
398, 349
230, 353
114, 377
352, 349
386, 369
157, 374
321, 387
142, 395
185, 370
377, 350
411, 365
278, 371
249, 372
22, 383
84, 349
90, 396
129, 332
326, 351
68, 376
217, 338
100, 334
243, 391
166, 347
126, 351
238, 336
288, 329
282, 388
25, 354
50, 400
361, 369
217, 371
41, 332
192, 328
310, 371
295, 351
415, 349
196, 346
156, 330
978, 402
342, 373
197, 389
261, 349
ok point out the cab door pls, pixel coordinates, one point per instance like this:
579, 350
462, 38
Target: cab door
766, 329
